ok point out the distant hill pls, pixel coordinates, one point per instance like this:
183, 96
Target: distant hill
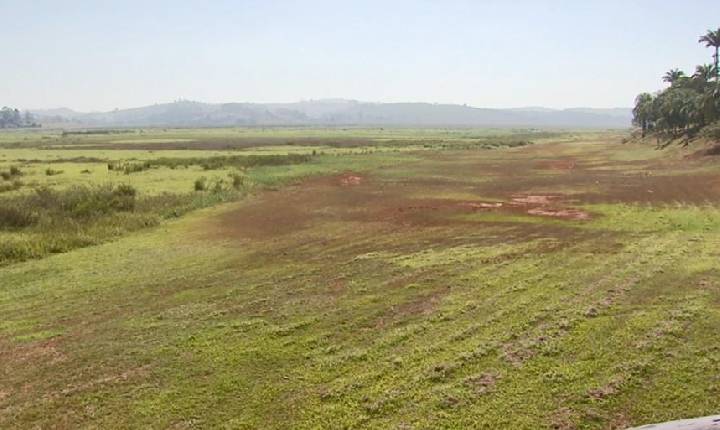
340, 112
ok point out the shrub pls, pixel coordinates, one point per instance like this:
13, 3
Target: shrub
61, 220
16, 216
124, 198
238, 181
83, 202
136, 167
52, 172
218, 186
219, 162
712, 131
14, 185
12, 173
201, 184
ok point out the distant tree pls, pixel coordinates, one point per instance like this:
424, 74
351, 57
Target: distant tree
643, 115
12, 118
6, 116
29, 120
705, 72
673, 76
712, 39
16, 118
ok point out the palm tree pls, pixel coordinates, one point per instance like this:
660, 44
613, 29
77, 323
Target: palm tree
643, 112
704, 72
712, 38
673, 75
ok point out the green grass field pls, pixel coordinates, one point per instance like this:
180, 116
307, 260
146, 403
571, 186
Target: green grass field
407, 279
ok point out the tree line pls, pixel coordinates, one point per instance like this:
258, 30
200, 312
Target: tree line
689, 104
12, 118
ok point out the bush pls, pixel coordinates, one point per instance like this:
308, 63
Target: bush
136, 167
129, 168
14, 185
67, 219
61, 220
712, 131
12, 173
16, 216
82, 202
124, 198
201, 184
238, 181
52, 172
218, 186
239, 161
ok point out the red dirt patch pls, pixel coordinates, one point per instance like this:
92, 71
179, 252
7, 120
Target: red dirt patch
352, 198
43, 350
560, 213
348, 179
482, 383
473, 205
559, 165
533, 200
105, 380
422, 305
562, 419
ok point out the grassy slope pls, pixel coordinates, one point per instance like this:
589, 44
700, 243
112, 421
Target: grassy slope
488, 320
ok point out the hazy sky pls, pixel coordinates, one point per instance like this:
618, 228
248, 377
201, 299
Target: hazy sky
99, 55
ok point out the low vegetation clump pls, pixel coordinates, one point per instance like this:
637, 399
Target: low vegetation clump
95, 132
52, 172
238, 181
77, 203
10, 186
211, 163
12, 172
129, 168
201, 184
237, 161
50, 221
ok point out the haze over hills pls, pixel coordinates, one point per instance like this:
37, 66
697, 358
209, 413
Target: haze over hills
331, 112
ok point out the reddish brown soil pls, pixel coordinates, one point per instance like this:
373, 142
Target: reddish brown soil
350, 180
568, 164
517, 186
533, 200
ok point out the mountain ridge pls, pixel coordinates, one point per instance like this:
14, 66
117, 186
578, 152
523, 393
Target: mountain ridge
339, 112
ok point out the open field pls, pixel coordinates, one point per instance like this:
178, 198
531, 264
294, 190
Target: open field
409, 282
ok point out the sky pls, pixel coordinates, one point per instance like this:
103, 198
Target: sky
101, 55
